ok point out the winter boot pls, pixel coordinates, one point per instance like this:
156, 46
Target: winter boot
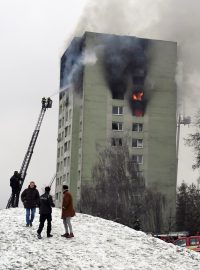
65, 235
49, 235
39, 236
70, 235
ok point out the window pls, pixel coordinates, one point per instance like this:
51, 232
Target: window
66, 131
60, 109
140, 174
65, 147
116, 126
181, 243
137, 159
59, 123
116, 142
67, 101
138, 143
58, 165
194, 241
69, 131
68, 148
68, 161
70, 114
117, 95
65, 162
66, 116
59, 137
138, 127
58, 153
117, 110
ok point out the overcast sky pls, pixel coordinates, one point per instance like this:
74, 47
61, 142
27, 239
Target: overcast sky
34, 35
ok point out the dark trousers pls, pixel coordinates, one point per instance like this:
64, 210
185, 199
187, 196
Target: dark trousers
43, 218
15, 198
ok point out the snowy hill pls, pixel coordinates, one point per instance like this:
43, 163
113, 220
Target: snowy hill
98, 244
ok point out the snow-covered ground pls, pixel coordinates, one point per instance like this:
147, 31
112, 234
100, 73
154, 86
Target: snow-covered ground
98, 244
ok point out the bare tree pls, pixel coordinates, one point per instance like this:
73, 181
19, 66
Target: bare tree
193, 140
118, 192
187, 209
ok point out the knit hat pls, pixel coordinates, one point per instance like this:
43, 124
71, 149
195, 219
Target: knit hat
47, 189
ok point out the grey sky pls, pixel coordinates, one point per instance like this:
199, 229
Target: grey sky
34, 35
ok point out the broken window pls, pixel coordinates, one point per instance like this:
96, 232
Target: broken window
137, 127
137, 159
117, 110
138, 143
116, 126
116, 141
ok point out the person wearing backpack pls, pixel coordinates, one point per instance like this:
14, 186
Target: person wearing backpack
45, 209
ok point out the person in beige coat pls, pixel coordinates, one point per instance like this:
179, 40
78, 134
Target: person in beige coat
67, 212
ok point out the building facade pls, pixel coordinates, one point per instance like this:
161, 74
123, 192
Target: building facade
114, 87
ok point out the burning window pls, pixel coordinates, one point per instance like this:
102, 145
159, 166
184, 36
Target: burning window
137, 143
117, 96
117, 126
117, 110
138, 127
138, 96
138, 103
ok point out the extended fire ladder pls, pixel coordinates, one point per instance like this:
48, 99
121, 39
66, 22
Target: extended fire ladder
46, 103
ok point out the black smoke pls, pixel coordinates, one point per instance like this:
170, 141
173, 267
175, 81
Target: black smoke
125, 68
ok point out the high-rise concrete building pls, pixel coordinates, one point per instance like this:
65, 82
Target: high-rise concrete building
114, 87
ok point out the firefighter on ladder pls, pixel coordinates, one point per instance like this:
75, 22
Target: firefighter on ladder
15, 182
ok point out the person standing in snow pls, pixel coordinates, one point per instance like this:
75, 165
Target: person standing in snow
45, 207
30, 198
67, 212
15, 185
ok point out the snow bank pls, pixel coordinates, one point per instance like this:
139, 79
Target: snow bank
98, 244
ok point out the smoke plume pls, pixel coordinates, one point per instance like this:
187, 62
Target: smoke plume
166, 20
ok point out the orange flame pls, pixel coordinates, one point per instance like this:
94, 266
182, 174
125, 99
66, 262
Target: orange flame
138, 96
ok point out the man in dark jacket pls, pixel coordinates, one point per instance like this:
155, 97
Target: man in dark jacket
46, 202
15, 185
30, 198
